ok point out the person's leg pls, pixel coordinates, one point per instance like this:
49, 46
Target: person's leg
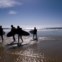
14, 38
2, 37
36, 38
18, 41
21, 38
33, 36
18, 38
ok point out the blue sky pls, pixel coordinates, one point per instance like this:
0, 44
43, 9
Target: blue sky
30, 13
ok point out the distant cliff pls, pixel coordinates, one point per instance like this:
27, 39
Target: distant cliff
54, 28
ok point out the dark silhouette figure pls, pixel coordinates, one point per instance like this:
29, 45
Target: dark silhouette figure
19, 32
13, 30
35, 34
1, 33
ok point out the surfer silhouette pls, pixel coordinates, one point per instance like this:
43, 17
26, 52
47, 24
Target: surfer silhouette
13, 30
19, 32
1, 32
35, 34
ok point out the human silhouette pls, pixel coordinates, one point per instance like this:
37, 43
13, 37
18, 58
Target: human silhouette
1, 32
35, 34
19, 32
13, 30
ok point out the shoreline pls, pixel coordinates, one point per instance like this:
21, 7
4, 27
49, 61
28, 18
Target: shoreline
46, 49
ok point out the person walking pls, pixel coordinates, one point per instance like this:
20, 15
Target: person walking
35, 34
13, 30
19, 32
1, 33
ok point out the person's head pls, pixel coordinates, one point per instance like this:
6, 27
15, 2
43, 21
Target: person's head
19, 27
11, 25
34, 27
0, 26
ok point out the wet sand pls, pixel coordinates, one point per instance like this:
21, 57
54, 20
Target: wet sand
46, 49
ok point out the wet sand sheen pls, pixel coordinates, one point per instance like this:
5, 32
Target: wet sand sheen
45, 50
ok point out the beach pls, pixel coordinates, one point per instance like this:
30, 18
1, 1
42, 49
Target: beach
46, 49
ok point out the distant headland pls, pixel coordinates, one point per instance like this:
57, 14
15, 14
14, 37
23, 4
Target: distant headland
54, 28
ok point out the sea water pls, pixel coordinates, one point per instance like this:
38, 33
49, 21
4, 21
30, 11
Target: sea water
50, 32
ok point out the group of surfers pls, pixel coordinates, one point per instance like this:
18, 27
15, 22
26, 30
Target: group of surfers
19, 31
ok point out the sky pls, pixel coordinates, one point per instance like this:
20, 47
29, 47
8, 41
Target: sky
31, 13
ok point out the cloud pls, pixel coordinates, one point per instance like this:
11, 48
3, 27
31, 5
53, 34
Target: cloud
9, 3
12, 12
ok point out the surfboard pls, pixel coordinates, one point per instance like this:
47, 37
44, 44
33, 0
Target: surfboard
31, 31
9, 34
23, 33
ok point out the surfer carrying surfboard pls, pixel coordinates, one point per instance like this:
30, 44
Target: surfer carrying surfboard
34, 32
19, 32
1, 32
13, 30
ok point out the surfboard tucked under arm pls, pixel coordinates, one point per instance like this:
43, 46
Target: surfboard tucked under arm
32, 31
23, 33
9, 34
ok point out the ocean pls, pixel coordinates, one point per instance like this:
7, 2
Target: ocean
50, 32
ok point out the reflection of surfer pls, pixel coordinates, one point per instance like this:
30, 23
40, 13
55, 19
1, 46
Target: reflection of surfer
35, 33
13, 30
1, 32
19, 32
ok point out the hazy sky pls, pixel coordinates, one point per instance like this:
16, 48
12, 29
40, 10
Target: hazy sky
30, 13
